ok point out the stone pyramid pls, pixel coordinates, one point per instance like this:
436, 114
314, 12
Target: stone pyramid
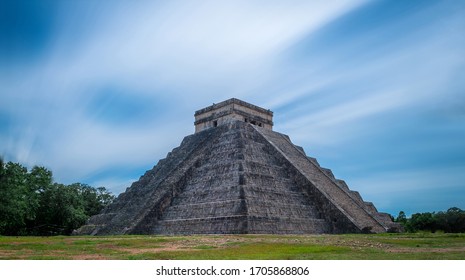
235, 175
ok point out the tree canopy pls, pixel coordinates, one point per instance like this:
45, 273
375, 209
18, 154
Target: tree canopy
32, 204
452, 220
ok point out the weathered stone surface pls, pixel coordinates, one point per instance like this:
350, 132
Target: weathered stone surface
232, 109
238, 178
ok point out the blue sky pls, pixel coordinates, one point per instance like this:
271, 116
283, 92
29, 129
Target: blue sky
99, 91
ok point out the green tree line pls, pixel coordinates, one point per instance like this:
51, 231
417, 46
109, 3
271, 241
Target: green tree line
452, 220
32, 204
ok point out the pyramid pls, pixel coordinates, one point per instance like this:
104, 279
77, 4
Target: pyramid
235, 175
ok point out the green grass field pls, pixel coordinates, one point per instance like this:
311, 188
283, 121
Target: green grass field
420, 246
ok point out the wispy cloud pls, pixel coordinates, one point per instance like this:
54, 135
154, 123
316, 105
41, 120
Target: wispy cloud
114, 87
413, 70
188, 53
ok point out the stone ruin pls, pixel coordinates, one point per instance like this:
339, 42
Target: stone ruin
235, 175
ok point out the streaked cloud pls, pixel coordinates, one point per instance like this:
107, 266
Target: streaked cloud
95, 88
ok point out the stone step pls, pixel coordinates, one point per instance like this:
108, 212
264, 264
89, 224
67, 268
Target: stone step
264, 169
260, 225
220, 225
280, 193
273, 209
212, 209
241, 224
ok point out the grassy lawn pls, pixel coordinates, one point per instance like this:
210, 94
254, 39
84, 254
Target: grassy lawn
421, 246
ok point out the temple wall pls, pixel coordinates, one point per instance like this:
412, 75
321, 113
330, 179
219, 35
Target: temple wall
232, 110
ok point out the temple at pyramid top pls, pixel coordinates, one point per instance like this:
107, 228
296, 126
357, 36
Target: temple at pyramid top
230, 110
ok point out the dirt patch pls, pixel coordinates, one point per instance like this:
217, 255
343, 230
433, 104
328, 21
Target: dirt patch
16, 254
6, 255
137, 251
89, 257
427, 250
190, 244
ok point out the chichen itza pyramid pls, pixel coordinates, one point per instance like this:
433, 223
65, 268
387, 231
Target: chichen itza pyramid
235, 175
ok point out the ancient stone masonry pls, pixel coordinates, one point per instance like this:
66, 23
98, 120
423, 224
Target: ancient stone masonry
236, 175
231, 110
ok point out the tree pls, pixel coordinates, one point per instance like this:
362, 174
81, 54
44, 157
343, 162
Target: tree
95, 199
422, 221
401, 218
453, 220
15, 208
38, 180
31, 203
61, 210
66, 208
